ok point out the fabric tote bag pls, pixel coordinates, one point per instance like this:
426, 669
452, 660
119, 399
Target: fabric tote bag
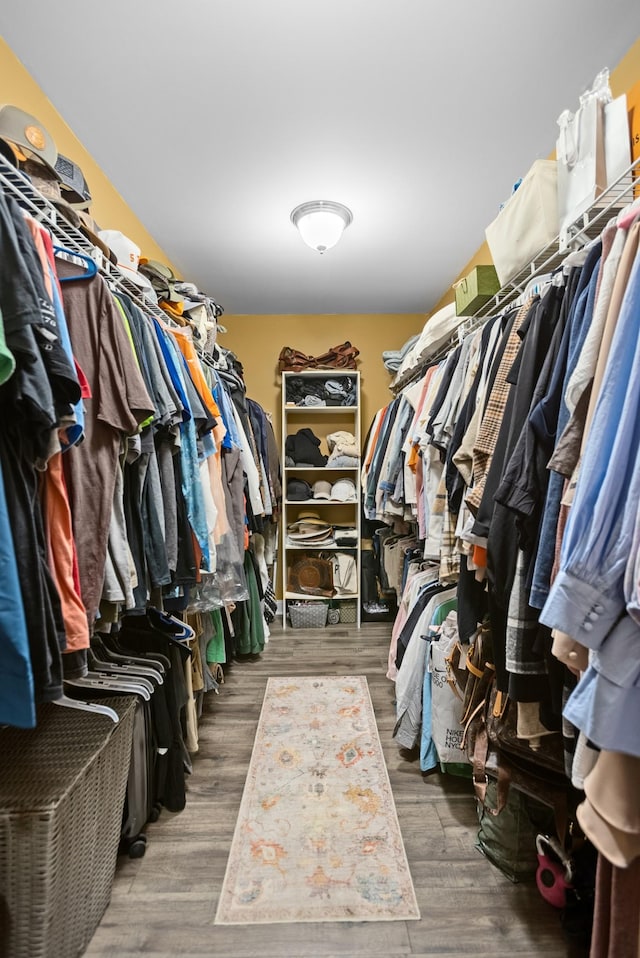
527, 223
447, 697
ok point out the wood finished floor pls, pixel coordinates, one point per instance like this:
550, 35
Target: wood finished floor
163, 905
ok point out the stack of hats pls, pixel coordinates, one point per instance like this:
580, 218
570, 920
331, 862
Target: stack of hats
309, 529
183, 302
28, 146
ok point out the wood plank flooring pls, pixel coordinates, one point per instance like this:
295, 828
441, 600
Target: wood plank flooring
163, 905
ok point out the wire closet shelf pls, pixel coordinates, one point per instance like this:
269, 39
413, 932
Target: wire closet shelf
579, 233
63, 233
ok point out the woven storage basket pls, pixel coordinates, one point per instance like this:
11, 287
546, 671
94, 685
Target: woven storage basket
312, 615
62, 788
348, 612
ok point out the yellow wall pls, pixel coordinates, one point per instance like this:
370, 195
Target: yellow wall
625, 76
257, 341
110, 211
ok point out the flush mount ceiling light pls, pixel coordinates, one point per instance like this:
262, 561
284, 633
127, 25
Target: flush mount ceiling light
321, 223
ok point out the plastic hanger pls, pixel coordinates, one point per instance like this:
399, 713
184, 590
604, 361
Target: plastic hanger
113, 674
135, 682
109, 655
92, 266
81, 706
117, 669
155, 659
181, 629
96, 681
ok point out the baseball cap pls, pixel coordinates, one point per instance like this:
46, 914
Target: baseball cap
83, 222
162, 278
24, 131
298, 490
73, 182
322, 489
43, 178
127, 256
344, 490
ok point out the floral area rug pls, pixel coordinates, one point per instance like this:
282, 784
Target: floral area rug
317, 837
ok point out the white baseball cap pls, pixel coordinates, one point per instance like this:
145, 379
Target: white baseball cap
344, 490
128, 256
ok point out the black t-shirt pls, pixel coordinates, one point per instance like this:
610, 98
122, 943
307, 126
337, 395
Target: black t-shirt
60, 368
27, 396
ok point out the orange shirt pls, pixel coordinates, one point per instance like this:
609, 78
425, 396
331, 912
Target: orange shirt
188, 350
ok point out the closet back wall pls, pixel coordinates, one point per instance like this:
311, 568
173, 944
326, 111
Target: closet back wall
110, 211
257, 341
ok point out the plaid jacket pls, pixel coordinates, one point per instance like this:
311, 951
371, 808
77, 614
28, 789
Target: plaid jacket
493, 412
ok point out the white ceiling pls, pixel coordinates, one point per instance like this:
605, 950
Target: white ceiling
214, 118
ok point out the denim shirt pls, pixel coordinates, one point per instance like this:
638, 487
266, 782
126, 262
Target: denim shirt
577, 330
588, 596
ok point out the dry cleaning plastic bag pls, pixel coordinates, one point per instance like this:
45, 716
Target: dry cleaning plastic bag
593, 151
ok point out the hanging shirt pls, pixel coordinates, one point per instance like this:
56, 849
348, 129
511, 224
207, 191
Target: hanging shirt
588, 596
119, 403
17, 701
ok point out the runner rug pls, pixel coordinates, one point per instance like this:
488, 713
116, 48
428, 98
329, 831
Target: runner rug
317, 836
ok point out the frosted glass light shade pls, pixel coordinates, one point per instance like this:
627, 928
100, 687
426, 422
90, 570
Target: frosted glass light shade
321, 223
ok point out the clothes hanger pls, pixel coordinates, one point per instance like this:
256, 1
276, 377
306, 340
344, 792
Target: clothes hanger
139, 681
81, 706
94, 680
156, 659
135, 682
107, 654
167, 622
106, 667
91, 265
156, 620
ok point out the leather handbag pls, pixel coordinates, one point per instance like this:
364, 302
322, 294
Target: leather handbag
495, 750
311, 576
480, 672
338, 357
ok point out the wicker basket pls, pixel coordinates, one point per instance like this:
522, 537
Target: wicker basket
348, 612
309, 615
62, 788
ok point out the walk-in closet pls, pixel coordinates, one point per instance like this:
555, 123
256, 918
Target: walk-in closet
319, 479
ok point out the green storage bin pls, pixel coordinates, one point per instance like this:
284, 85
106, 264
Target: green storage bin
476, 289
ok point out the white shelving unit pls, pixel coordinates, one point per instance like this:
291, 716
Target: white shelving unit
323, 420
